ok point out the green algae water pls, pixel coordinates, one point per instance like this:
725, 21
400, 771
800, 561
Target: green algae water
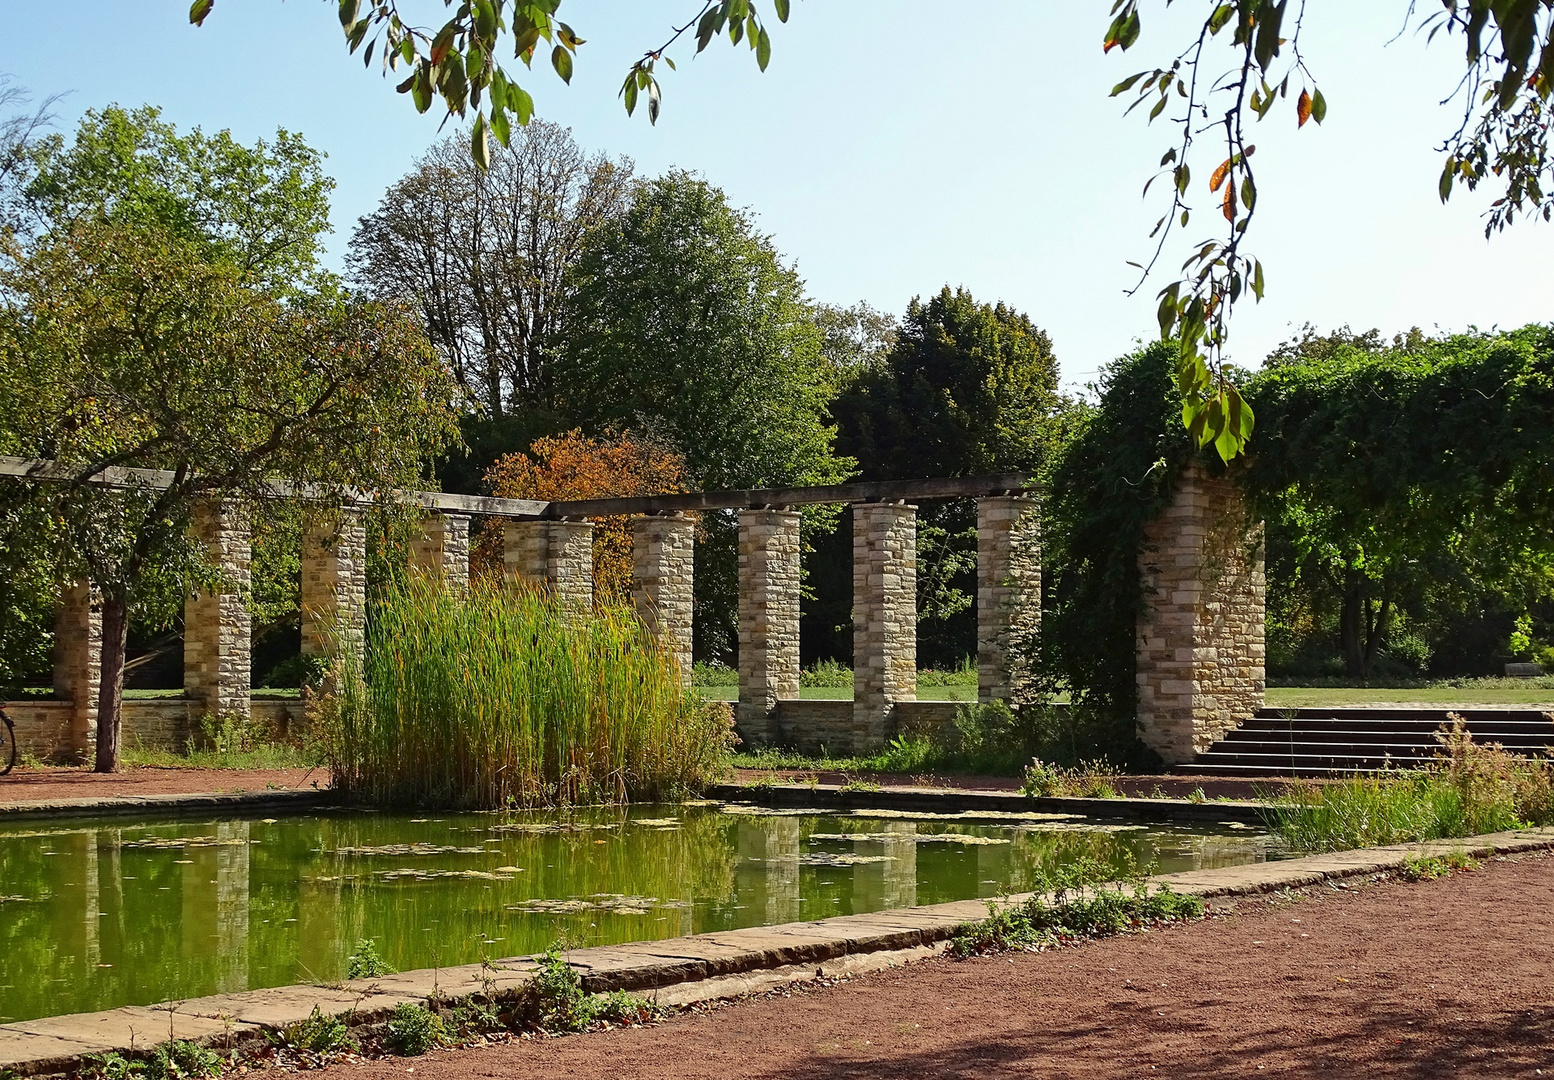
98, 915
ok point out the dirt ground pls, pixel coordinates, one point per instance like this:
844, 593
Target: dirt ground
49, 782
1441, 978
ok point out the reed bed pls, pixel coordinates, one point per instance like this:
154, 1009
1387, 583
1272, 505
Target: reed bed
500, 696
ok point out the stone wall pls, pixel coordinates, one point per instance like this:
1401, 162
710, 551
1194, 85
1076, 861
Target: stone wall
442, 549
554, 555
1008, 595
768, 620
334, 586
884, 616
78, 651
663, 563
166, 724
815, 724
217, 628
1200, 640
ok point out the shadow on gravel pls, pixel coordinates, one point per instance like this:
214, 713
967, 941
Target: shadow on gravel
1220, 1045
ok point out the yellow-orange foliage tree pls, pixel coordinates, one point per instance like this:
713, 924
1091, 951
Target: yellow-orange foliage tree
576, 466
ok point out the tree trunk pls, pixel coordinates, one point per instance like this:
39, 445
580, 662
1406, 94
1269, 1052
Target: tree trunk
110, 693
1351, 625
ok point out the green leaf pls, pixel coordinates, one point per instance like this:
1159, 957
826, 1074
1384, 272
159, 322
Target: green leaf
1318, 106
782, 9
499, 125
1448, 174
763, 49
199, 9
421, 88
348, 10
520, 102
479, 144
561, 60
653, 102
629, 92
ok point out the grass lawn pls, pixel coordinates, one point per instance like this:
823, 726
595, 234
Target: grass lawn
1493, 692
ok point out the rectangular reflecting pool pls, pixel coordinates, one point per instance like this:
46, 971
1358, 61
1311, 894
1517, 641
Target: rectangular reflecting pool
98, 915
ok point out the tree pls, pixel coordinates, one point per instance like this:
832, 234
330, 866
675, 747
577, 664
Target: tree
1504, 132
574, 466
967, 387
483, 255
161, 325
684, 325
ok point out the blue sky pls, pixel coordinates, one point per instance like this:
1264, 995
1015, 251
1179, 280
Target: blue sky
890, 149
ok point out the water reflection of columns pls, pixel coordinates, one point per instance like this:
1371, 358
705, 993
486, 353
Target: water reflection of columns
215, 905
878, 886
768, 871
91, 899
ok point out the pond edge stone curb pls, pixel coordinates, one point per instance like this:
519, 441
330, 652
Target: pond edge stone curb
675, 971
236, 802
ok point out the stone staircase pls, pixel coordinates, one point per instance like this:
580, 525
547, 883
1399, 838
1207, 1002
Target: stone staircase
1340, 741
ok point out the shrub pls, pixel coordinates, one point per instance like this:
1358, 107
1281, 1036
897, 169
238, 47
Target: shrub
554, 1000
827, 673
499, 696
180, 1059
365, 963
318, 1034
1090, 780
414, 1029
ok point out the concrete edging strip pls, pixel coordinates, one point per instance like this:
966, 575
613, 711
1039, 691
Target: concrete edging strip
233, 801
676, 971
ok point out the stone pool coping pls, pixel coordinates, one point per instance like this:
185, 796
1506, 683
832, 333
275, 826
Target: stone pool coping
789, 796
676, 971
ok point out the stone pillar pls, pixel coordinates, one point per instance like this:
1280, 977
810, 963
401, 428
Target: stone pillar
216, 631
884, 617
768, 620
662, 577
442, 550
1008, 594
1200, 636
78, 654
334, 586
555, 555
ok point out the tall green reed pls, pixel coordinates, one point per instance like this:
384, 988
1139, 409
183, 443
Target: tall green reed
500, 695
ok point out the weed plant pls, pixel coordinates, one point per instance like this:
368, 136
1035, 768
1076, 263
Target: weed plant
1090, 780
414, 1029
365, 963
500, 696
1420, 868
1073, 902
318, 1034
1469, 788
554, 1000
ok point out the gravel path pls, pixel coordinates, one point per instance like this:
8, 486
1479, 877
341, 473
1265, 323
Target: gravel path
48, 782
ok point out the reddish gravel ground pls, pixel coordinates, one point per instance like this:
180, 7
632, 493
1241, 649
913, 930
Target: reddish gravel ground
31, 785
1440, 978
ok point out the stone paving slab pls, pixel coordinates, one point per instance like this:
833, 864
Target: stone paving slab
677, 971
112, 805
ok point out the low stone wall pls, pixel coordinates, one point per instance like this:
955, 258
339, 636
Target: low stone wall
810, 726
163, 724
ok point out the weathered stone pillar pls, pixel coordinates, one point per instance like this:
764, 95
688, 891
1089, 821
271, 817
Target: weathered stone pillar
884, 617
442, 550
1200, 637
662, 577
78, 654
768, 620
216, 631
555, 555
1008, 594
334, 586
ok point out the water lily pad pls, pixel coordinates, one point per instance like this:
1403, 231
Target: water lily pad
409, 849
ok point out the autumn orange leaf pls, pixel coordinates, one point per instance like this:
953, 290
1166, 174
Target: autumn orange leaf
1219, 175
1303, 108
1229, 204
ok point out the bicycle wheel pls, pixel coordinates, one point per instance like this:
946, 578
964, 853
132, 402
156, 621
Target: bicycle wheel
7, 744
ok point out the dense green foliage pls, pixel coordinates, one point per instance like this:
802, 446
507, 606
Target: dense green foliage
1381, 515
500, 696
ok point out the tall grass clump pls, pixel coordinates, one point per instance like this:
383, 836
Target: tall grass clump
1470, 788
502, 696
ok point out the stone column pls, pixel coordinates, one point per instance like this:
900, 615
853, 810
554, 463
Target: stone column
1008, 594
662, 577
884, 617
768, 620
442, 550
555, 555
1200, 637
334, 586
78, 653
216, 672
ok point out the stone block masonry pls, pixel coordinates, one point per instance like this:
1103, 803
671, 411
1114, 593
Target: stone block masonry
663, 552
1200, 639
442, 550
555, 555
217, 627
334, 586
78, 654
884, 617
1008, 595
768, 620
